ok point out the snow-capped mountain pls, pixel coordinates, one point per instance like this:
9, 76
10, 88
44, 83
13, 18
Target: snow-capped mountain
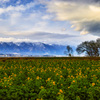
28, 48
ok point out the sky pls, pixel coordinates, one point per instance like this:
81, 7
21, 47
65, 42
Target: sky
64, 22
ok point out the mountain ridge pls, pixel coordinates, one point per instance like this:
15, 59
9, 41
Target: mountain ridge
31, 48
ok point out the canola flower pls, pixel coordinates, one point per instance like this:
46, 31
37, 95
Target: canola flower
39, 99
60, 91
28, 78
48, 79
61, 76
84, 86
68, 87
42, 87
79, 74
93, 84
61, 84
53, 83
73, 81
37, 77
97, 80
57, 74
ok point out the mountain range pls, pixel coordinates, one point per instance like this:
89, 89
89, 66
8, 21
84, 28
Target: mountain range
29, 48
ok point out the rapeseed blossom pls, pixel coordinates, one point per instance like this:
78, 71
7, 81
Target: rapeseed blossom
60, 91
28, 78
93, 84
73, 80
68, 87
37, 77
53, 83
49, 79
42, 87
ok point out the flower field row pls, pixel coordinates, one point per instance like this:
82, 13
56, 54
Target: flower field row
49, 79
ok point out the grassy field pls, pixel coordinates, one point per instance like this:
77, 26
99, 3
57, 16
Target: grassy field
50, 78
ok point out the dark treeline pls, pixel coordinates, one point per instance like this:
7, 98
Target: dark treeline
91, 48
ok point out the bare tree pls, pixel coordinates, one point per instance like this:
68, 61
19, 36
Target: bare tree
98, 44
69, 51
91, 48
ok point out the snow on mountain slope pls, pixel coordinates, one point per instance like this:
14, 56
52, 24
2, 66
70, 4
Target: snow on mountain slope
28, 48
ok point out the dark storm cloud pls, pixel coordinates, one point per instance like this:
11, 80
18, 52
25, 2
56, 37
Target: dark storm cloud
93, 28
84, 15
79, 1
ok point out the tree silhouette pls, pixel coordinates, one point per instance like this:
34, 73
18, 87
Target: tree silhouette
69, 51
91, 48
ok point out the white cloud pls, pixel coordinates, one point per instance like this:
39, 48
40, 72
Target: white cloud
84, 16
2, 10
3, 1
47, 17
14, 17
49, 38
63, 29
94, 8
18, 2
18, 18
11, 39
24, 23
17, 8
84, 32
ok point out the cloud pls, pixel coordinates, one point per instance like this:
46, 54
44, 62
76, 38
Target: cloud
18, 2
81, 1
34, 35
84, 15
30, 22
11, 39
19, 17
17, 8
4, 1
47, 17
63, 29
27, 18
48, 38
31, 36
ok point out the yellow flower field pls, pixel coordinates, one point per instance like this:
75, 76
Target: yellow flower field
49, 79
